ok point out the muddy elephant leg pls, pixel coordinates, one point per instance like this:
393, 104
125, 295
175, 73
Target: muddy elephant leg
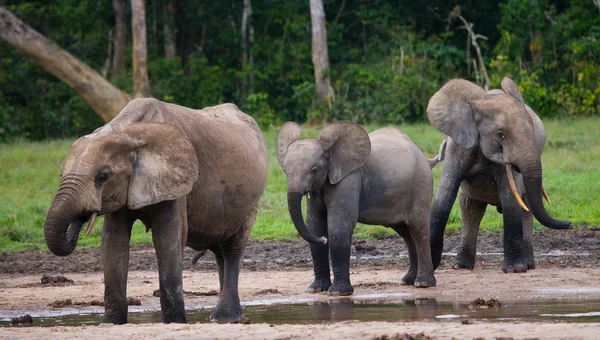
420, 238
472, 212
445, 196
514, 254
411, 275
116, 234
528, 238
169, 222
228, 306
317, 225
342, 215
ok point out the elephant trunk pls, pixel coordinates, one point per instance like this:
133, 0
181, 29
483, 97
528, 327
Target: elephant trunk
532, 179
295, 208
60, 239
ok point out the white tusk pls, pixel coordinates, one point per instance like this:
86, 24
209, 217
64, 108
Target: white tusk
513, 187
545, 195
90, 225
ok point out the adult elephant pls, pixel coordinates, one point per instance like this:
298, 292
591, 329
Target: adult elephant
191, 176
492, 151
381, 178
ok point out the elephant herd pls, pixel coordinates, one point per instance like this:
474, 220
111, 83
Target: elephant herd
195, 178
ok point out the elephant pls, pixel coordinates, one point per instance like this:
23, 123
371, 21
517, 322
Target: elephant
492, 152
350, 176
193, 177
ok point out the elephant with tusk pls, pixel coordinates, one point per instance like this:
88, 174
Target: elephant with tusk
193, 177
492, 152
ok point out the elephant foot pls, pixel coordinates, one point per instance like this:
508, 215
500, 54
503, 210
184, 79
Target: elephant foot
338, 289
514, 267
425, 281
409, 279
220, 316
465, 259
319, 286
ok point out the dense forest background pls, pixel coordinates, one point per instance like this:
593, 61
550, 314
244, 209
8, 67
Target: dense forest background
386, 58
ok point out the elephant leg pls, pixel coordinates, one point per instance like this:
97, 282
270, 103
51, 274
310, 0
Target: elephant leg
169, 226
116, 234
445, 196
317, 225
528, 238
472, 212
342, 215
228, 306
514, 254
218, 251
418, 234
411, 275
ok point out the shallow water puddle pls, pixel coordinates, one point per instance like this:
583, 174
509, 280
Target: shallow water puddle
343, 309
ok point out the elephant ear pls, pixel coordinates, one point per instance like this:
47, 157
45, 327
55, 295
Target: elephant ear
166, 164
288, 133
349, 148
450, 111
511, 88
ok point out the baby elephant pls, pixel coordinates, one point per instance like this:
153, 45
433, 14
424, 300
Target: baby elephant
349, 176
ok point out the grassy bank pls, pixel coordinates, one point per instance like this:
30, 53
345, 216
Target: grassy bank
30, 174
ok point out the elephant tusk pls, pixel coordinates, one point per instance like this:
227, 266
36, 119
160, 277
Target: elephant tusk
513, 187
90, 225
545, 195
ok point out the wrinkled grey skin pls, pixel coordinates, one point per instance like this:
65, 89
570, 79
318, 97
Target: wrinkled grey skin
485, 132
381, 178
193, 177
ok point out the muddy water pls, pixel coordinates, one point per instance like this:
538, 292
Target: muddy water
344, 309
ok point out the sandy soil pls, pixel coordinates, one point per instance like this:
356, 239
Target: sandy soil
568, 267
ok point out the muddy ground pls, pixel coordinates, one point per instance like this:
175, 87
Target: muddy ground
568, 267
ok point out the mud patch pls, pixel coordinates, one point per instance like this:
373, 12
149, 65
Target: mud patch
57, 280
131, 301
25, 320
480, 303
267, 291
376, 285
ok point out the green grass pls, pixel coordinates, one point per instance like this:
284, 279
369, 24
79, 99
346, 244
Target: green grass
29, 177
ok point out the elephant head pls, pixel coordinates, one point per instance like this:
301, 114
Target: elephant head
308, 163
507, 131
136, 166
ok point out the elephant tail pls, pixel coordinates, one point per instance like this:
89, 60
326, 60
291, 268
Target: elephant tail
440, 156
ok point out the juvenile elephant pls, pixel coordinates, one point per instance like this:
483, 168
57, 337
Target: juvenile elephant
349, 176
191, 176
492, 151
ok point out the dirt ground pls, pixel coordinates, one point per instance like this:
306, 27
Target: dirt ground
568, 267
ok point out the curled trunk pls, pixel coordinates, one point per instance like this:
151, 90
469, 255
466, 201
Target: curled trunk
295, 208
60, 239
532, 179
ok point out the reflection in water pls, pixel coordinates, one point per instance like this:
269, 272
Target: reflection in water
347, 308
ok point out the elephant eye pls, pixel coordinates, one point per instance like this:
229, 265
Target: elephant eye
102, 176
501, 135
313, 171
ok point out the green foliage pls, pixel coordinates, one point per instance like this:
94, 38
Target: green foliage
386, 59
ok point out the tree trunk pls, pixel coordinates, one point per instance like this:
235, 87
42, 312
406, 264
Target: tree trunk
119, 39
104, 98
141, 84
320, 54
246, 19
169, 29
